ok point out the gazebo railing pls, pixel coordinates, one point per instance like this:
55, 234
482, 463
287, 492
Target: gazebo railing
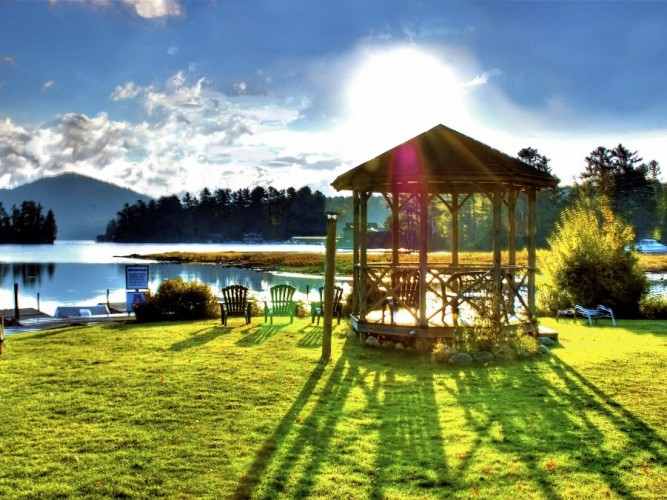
454, 296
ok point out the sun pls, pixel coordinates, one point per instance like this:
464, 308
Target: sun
395, 94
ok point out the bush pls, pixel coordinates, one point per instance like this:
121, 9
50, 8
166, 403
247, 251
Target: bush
589, 264
653, 307
178, 300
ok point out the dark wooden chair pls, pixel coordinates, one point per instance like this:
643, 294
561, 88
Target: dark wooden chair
404, 293
234, 303
281, 303
317, 308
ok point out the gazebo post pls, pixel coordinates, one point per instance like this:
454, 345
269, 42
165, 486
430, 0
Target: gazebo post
512, 196
363, 260
355, 252
395, 229
497, 255
423, 254
455, 227
532, 261
511, 215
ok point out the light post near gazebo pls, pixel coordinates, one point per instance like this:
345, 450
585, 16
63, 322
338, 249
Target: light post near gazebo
329, 277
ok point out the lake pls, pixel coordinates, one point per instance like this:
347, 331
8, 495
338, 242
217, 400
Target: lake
73, 273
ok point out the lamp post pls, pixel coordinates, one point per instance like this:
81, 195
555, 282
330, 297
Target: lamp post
329, 276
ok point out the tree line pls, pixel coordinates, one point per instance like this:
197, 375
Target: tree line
618, 175
223, 215
27, 224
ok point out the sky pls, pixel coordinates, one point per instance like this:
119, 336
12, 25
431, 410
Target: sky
171, 96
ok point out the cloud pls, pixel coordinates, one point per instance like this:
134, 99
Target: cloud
189, 136
172, 51
47, 85
151, 9
6, 59
483, 78
124, 92
147, 9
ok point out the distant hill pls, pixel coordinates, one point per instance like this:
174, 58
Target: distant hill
83, 206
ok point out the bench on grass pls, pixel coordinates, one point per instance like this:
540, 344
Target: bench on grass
600, 312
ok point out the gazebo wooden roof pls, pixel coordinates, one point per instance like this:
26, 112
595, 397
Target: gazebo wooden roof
441, 160
443, 164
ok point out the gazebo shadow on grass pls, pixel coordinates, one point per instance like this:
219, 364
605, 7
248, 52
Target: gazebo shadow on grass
303, 446
404, 428
537, 417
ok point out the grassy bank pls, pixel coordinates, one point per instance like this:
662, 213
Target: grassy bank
313, 263
197, 410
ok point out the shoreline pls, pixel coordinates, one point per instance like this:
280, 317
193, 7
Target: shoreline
313, 263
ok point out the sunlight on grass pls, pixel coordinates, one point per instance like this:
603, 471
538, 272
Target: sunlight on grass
199, 410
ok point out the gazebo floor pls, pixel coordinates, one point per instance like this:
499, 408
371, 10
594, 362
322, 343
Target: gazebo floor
405, 325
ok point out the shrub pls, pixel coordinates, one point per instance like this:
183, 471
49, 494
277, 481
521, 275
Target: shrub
653, 307
178, 300
589, 263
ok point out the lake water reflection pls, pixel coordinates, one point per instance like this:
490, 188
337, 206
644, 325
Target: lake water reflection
80, 273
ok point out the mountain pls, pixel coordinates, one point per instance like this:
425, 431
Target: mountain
83, 206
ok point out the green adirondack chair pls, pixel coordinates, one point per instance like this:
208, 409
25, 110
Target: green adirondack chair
281, 303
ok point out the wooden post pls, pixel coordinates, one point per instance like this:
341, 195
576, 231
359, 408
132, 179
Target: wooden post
363, 261
511, 215
455, 228
363, 256
423, 254
329, 277
497, 223
395, 228
532, 261
17, 311
355, 252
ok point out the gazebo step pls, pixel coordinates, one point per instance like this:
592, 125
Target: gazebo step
544, 331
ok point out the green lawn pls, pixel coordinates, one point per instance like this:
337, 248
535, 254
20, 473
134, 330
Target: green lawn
192, 410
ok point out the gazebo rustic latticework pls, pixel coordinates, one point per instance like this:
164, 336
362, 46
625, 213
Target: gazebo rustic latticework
443, 164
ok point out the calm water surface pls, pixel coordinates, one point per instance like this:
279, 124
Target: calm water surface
80, 272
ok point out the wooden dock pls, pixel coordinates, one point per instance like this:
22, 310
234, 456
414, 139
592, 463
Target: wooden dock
27, 313
31, 319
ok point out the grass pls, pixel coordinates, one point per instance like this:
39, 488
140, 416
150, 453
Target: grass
313, 263
197, 410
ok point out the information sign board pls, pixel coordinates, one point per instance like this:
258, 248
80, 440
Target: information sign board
136, 277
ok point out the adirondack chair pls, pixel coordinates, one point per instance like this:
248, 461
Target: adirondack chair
317, 308
281, 303
404, 293
234, 303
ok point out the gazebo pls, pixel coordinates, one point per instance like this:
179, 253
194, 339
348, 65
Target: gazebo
437, 300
